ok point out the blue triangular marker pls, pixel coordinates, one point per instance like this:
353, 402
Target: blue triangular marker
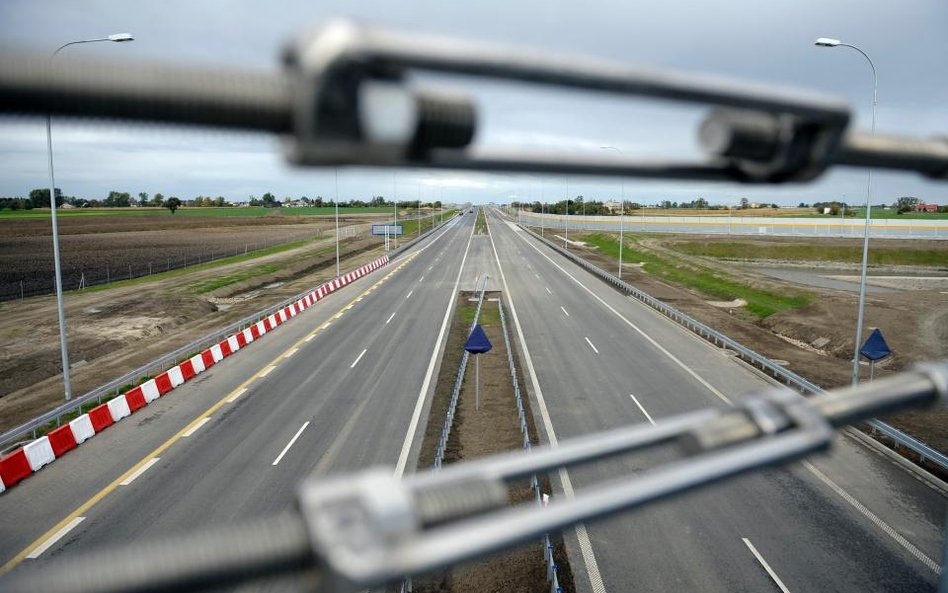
477, 342
875, 347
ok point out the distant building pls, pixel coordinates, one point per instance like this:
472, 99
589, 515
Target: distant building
926, 207
612, 205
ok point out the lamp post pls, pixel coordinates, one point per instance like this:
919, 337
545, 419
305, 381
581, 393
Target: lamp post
621, 211
67, 386
336, 200
827, 42
566, 237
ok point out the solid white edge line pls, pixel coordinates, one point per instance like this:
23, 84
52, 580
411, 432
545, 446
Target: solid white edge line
885, 527
290, 444
644, 411
564, 310
591, 345
638, 330
195, 428
267, 371
422, 394
358, 358
766, 566
231, 399
55, 538
140, 471
582, 537
390, 317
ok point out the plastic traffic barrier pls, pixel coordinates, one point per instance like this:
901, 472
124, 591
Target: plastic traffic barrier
101, 417
39, 453
135, 399
208, 357
61, 440
163, 382
176, 377
197, 363
240, 339
225, 348
217, 353
118, 407
150, 390
82, 429
187, 369
14, 467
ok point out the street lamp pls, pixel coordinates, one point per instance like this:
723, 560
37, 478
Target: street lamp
621, 211
67, 386
827, 42
336, 200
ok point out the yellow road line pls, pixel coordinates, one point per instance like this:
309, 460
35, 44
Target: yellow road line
96, 498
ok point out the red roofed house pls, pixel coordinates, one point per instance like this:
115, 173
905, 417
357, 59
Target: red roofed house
926, 207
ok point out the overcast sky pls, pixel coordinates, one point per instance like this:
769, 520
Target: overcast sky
766, 41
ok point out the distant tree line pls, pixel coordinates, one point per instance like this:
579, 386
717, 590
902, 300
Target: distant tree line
39, 198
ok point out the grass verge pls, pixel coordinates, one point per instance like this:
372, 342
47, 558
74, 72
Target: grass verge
714, 284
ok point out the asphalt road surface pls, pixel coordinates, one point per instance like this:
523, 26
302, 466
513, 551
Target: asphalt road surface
854, 520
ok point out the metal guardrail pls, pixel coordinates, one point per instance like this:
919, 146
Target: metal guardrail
803, 385
12, 437
552, 573
456, 390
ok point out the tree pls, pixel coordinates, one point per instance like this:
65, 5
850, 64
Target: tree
143, 198
39, 198
220, 202
158, 200
906, 204
117, 199
270, 201
172, 204
745, 203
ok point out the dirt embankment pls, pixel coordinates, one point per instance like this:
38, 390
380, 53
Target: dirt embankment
816, 341
116, 330
479, 430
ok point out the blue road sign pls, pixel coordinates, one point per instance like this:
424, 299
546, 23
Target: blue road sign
875, 347
477, 342
392, 230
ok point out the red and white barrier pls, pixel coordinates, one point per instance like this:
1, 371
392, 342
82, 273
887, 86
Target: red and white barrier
39, 453
81, 429
19, 464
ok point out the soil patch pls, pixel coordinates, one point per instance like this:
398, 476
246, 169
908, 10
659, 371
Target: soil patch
102, 249
485, 427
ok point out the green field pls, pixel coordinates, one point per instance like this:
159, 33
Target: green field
711, 283
739, 250
186, 211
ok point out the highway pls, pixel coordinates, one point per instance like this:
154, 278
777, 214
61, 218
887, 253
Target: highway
345, 386
602, 360
351, 370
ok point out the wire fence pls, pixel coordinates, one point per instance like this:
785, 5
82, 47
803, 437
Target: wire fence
924, 451
143, 261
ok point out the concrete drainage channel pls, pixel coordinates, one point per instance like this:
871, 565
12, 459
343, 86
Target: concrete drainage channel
462, 426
